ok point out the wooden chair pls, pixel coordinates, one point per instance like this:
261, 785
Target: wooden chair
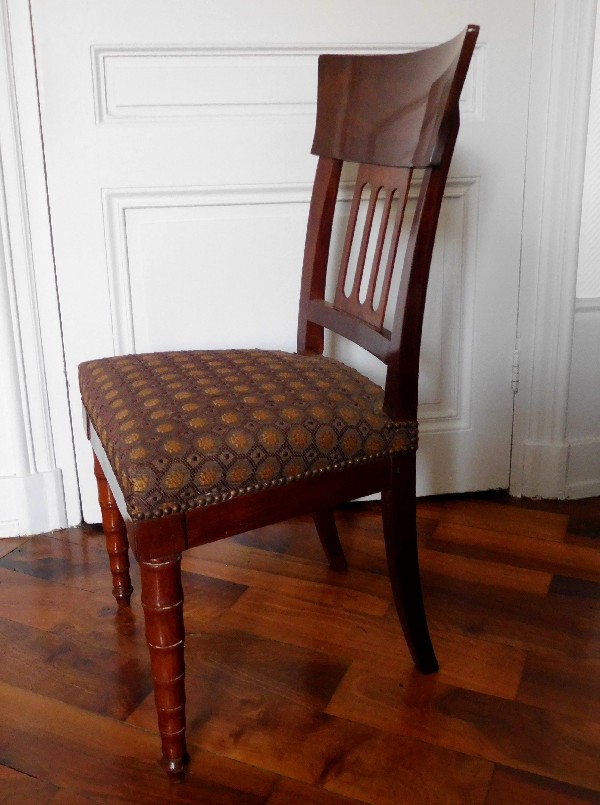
192, 447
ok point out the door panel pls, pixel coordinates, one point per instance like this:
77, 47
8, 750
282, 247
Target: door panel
177, 141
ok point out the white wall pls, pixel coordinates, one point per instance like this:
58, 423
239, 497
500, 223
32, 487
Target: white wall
35, 435
31, 498
33, 447
583, 419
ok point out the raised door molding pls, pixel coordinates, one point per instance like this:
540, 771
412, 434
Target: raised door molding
170, 84
195, 216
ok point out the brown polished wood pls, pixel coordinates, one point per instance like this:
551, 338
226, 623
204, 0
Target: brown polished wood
117, 544
385, 184
400, 535
359, 118
300, 688
328, 534
390, 114
162, 602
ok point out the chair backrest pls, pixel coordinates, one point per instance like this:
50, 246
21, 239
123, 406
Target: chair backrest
390, 114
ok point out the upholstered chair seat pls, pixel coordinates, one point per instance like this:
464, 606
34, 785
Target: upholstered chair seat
190, 429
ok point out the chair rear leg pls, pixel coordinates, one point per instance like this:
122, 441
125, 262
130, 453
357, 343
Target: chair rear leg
117, 544
400, 533
327, 531
162, 601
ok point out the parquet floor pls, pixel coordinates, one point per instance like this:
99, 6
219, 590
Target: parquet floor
300, 689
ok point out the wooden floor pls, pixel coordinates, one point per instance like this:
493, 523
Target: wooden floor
300, 689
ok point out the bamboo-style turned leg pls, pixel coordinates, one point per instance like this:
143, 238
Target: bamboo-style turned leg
162, 600
115, 533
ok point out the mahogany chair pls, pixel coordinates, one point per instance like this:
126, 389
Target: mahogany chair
191, 447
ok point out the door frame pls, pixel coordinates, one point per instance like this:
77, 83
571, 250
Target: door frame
562, 56
37, 403
35, 408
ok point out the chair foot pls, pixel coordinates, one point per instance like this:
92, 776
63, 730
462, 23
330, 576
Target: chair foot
162, 601
176, 768
400, 532
327, 531
117, 544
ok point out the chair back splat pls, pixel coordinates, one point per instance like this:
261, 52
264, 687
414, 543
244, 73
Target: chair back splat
194, 446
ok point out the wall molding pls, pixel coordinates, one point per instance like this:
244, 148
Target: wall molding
559, 102
164, 84
451, 412
587, 304
118, 203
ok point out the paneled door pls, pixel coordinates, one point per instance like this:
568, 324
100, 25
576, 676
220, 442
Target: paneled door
177, 139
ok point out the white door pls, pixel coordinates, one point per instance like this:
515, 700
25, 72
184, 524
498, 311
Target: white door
177, 139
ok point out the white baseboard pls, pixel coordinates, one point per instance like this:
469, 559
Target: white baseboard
583, 479
583, 420
585, 489
562, 470
545, 469
32, 504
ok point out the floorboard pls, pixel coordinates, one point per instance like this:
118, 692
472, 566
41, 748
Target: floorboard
299, 686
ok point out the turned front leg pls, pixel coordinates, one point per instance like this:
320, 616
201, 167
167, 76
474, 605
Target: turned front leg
162, 600
115, 532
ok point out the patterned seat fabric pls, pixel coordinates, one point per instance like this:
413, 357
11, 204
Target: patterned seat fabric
188, 429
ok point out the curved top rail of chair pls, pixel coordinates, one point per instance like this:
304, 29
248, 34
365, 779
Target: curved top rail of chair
399, 104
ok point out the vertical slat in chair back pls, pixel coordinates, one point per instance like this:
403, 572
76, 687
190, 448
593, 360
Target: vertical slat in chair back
384, 186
